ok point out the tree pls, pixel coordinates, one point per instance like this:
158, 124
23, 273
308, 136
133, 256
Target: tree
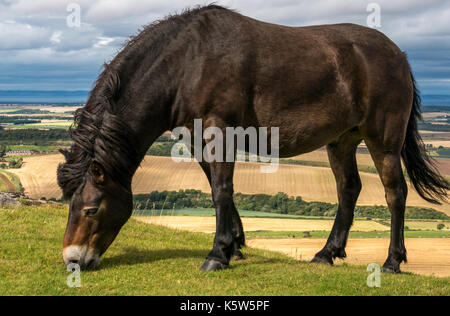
440, 226
2, 151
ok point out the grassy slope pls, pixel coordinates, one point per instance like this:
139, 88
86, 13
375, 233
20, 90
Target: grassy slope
151, 260
14, 179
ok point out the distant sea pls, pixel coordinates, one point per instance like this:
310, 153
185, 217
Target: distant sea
51, 97
42, 97
435, 99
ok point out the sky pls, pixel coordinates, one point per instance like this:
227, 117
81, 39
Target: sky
42, 47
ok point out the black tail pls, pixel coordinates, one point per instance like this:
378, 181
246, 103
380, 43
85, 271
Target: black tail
421, 168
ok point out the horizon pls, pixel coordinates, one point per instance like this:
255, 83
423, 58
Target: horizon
29, 97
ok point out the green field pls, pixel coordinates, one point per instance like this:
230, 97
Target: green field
152, 260
325, 234
13, 179
212, 212
62, 125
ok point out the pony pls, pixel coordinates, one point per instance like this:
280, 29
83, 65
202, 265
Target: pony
328, 85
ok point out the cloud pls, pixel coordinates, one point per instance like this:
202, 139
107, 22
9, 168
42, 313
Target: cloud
15, 35
34, 33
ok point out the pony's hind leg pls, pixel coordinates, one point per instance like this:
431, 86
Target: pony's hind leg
390, 169
342, 157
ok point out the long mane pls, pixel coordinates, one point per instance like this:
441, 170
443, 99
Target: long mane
99, 132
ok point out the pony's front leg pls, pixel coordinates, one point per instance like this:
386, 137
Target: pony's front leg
238, 230
222, 193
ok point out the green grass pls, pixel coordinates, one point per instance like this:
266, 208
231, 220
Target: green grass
325, 234
3, 187
152, 260
14, 180
212, 212
32, 147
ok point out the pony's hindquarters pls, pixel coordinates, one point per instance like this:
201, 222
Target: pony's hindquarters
390, 133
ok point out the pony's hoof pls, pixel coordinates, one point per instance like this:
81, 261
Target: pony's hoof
237, 255
390, 269
322, 260
212, 265
392, 265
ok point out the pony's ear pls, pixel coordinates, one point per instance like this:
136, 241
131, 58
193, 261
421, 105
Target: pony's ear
65, 153
97, 172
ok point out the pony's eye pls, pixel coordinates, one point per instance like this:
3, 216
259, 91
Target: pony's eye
90, 211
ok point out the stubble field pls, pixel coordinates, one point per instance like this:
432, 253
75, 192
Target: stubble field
38, 177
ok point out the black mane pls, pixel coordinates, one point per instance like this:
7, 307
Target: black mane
99, 135
99, 132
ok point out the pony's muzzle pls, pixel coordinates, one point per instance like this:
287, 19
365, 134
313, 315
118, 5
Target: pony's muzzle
86, 258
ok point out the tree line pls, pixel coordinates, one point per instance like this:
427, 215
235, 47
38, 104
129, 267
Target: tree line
279, 203
32, 136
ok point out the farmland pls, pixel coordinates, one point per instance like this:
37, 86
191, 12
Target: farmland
363, 251
368, 241
38, 177
307, 176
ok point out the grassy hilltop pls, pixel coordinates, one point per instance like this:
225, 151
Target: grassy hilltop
152, 260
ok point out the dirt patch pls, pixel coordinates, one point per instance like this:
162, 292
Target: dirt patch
427, 256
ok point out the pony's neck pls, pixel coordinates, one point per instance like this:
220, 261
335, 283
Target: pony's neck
148, 109
149, 86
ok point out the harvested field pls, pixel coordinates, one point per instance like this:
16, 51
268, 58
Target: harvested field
437, 143
427, 256
38, 177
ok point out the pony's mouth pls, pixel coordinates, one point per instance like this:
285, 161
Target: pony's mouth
81, 256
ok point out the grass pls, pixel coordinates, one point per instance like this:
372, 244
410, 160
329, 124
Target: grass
212, 212
152, 260
14, 179
356, 234
32, 147
3, 187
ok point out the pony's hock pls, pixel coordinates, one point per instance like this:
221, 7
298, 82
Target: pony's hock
330, 85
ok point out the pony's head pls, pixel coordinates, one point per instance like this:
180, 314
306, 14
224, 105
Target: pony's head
96, 177
98, 209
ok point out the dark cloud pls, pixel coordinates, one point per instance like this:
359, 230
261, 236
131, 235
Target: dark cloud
38, 50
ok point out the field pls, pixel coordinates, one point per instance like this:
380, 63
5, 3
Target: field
208, 224
364, 160
428, 256
49, 116
38, 177
153, 260
9, 182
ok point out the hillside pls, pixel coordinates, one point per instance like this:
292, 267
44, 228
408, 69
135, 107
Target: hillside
152, 260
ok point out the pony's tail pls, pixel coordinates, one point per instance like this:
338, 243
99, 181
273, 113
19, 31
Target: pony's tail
421, 168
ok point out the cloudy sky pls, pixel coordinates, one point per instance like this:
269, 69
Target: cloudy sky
39, 51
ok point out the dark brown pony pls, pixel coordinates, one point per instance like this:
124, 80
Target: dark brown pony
330, 85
